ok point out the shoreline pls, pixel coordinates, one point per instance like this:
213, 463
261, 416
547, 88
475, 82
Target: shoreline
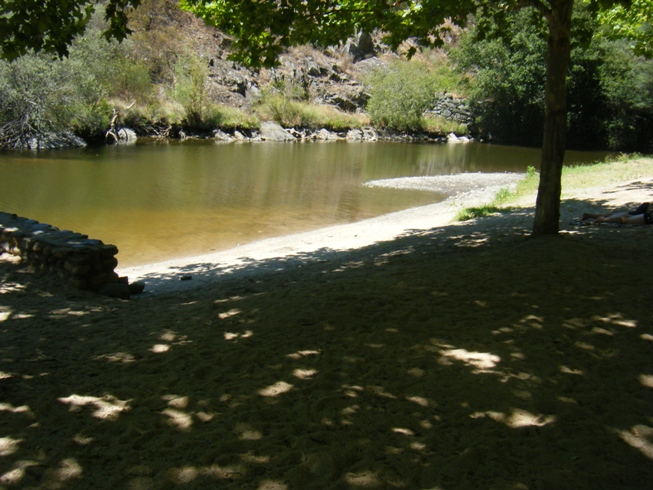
191, 272
463, 356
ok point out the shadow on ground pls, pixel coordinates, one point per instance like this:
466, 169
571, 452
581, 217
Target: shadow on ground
469, 356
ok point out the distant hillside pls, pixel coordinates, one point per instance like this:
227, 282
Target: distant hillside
162, 32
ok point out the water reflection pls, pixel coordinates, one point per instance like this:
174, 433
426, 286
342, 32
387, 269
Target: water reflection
158, 201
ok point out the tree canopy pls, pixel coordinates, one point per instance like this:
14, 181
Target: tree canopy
52, 25
263, 29
609, 87
633, 22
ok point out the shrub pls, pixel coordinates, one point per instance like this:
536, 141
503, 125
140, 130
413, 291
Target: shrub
91, 121
191, 75
626, 82
157, 38
131, 81
37, 96
281, 109
506, 83
400, 94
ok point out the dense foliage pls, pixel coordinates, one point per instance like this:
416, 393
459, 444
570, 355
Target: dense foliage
633, 21
51, 26
626, 82
507, 81
32, 100
262, 30
39, 94
400, 95
610, 88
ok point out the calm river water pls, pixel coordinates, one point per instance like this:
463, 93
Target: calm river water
165, 200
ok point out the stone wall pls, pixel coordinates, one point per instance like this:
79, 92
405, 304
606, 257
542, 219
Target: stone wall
80, 261
453, 109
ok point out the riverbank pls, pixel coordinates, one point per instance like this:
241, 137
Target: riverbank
187, 273
460, 356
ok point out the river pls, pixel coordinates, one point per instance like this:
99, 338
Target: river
157, 201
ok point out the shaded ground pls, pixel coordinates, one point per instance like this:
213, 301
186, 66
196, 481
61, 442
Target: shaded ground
461, 357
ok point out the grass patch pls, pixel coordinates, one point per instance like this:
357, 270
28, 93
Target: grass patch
525, 187
620, 169
226, 117
322, 116
478, 212
496, 206
291, 113
440, 125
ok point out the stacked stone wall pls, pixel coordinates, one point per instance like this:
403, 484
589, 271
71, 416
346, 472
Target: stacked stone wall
453, 109
82, 262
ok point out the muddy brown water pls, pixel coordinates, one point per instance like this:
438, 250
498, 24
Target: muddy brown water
158, 201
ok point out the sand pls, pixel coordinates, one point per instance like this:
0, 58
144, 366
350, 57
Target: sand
292, 251
407, 352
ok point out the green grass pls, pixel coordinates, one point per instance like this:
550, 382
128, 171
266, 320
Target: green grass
440, 125
622, 168
225, 117
496, 206
478, 212
294, 113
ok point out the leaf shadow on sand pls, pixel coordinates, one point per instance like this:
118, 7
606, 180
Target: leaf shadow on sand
467, 356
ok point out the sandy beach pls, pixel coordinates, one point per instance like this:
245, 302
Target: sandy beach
282, 253
403, 352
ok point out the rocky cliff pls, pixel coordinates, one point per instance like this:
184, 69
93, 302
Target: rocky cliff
334, 76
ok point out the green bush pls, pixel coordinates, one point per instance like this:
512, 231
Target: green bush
37, 96
131, 81
400, 94
139, 120
283, 110
191, 75
609, 89
506, 82
626, 82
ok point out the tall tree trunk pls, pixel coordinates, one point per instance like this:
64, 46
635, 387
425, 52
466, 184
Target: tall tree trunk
547, 208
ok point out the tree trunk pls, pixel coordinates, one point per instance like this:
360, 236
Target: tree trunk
547, 208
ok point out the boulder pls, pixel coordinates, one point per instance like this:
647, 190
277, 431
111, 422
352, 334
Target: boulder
361, 46
354, 135
271, 131
325, 135
452, 138
222, 137
53, 140
126, 136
